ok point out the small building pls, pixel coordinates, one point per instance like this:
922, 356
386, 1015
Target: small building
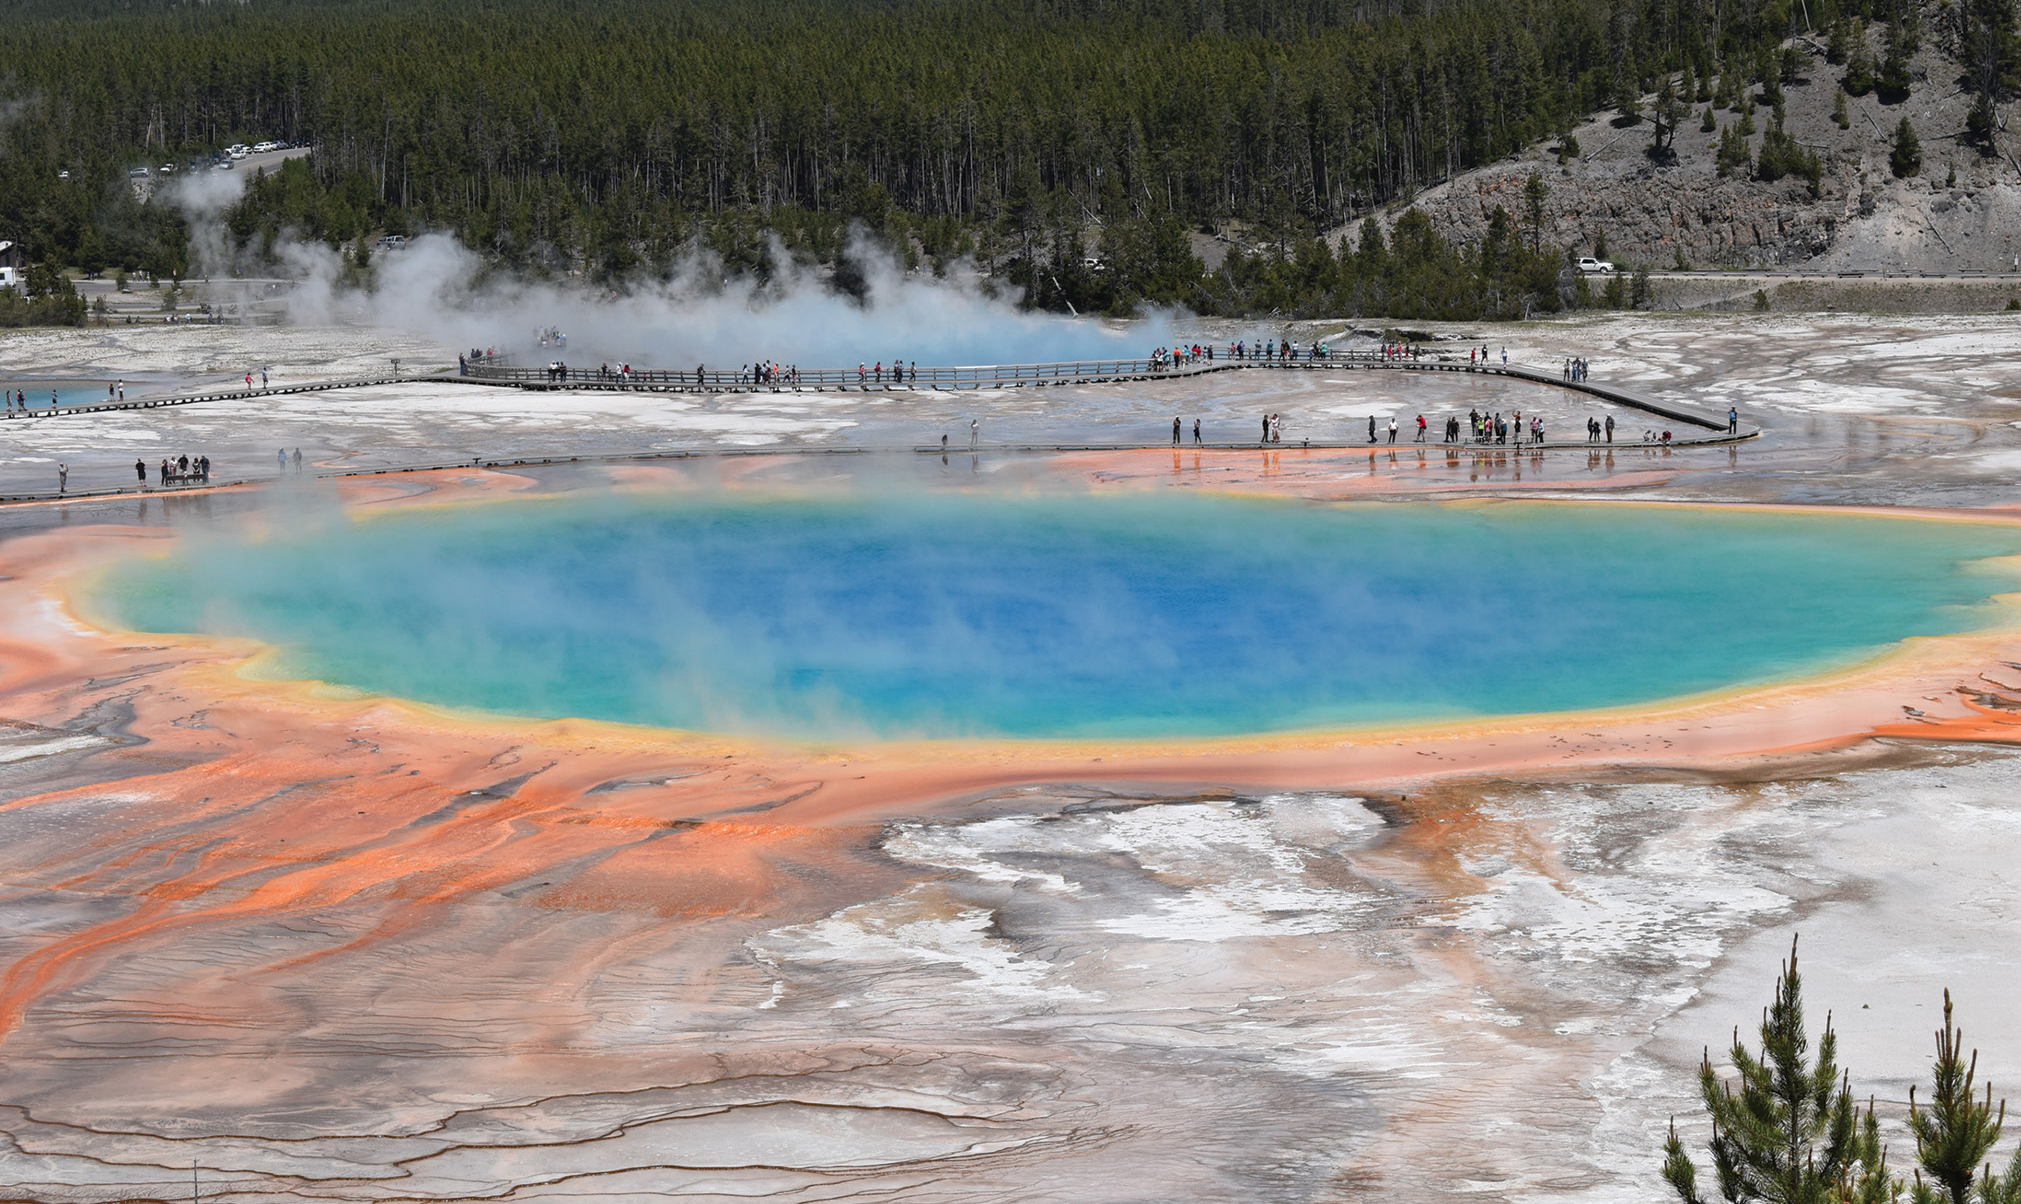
10, 264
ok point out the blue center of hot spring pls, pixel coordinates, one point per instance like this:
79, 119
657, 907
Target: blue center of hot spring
1142, 616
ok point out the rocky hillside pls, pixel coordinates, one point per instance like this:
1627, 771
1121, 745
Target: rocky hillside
1961, 213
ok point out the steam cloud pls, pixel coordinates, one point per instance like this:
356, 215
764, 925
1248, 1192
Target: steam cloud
694, 314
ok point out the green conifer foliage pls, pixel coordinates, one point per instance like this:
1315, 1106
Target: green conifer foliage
1954, 1132
1788, 1133
1907, 157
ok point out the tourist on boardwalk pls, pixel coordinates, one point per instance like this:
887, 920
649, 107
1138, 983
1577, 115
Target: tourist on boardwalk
298, 459
1266, 430
1277, 428
1610, 428
1421, 428
140, 470
974, 432
1371, 428
281, 453
1175, 430
62, 477
1732, 420
1196, 432
1392, 430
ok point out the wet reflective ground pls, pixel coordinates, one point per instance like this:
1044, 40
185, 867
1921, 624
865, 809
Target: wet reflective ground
344, 965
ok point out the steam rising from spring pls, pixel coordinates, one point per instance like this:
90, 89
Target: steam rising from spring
696, 313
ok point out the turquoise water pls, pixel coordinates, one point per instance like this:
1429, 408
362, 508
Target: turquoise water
37, 395
1143, 616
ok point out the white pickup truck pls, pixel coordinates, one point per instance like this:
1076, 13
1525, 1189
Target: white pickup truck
1589, 264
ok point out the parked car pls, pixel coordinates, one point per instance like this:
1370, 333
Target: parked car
1589, 264
138, 173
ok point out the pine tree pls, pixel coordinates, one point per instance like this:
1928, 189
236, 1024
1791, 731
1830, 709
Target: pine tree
1907, 157
2005, 1188
1535, 191
1892, 83
1956, 1131
1859, 78
1791, 1133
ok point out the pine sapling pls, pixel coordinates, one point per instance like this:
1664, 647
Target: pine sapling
1955, 1132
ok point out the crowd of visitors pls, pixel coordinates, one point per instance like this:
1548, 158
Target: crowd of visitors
180, 471
1479, 426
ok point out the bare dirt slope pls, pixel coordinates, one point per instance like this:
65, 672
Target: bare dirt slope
1683, 212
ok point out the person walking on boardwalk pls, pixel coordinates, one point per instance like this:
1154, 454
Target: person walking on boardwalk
281, 454
298, 459
1175, 430
1196, 432
62, 477
1421, 428
1392, 430
974, 432
1610, 428
140, 470
1371, 428
1732, 420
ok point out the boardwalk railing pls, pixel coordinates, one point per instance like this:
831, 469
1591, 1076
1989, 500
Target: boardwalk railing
1011, 376
713, 380
982, 376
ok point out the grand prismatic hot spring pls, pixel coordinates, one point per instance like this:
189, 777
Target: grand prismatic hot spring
1140, 617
